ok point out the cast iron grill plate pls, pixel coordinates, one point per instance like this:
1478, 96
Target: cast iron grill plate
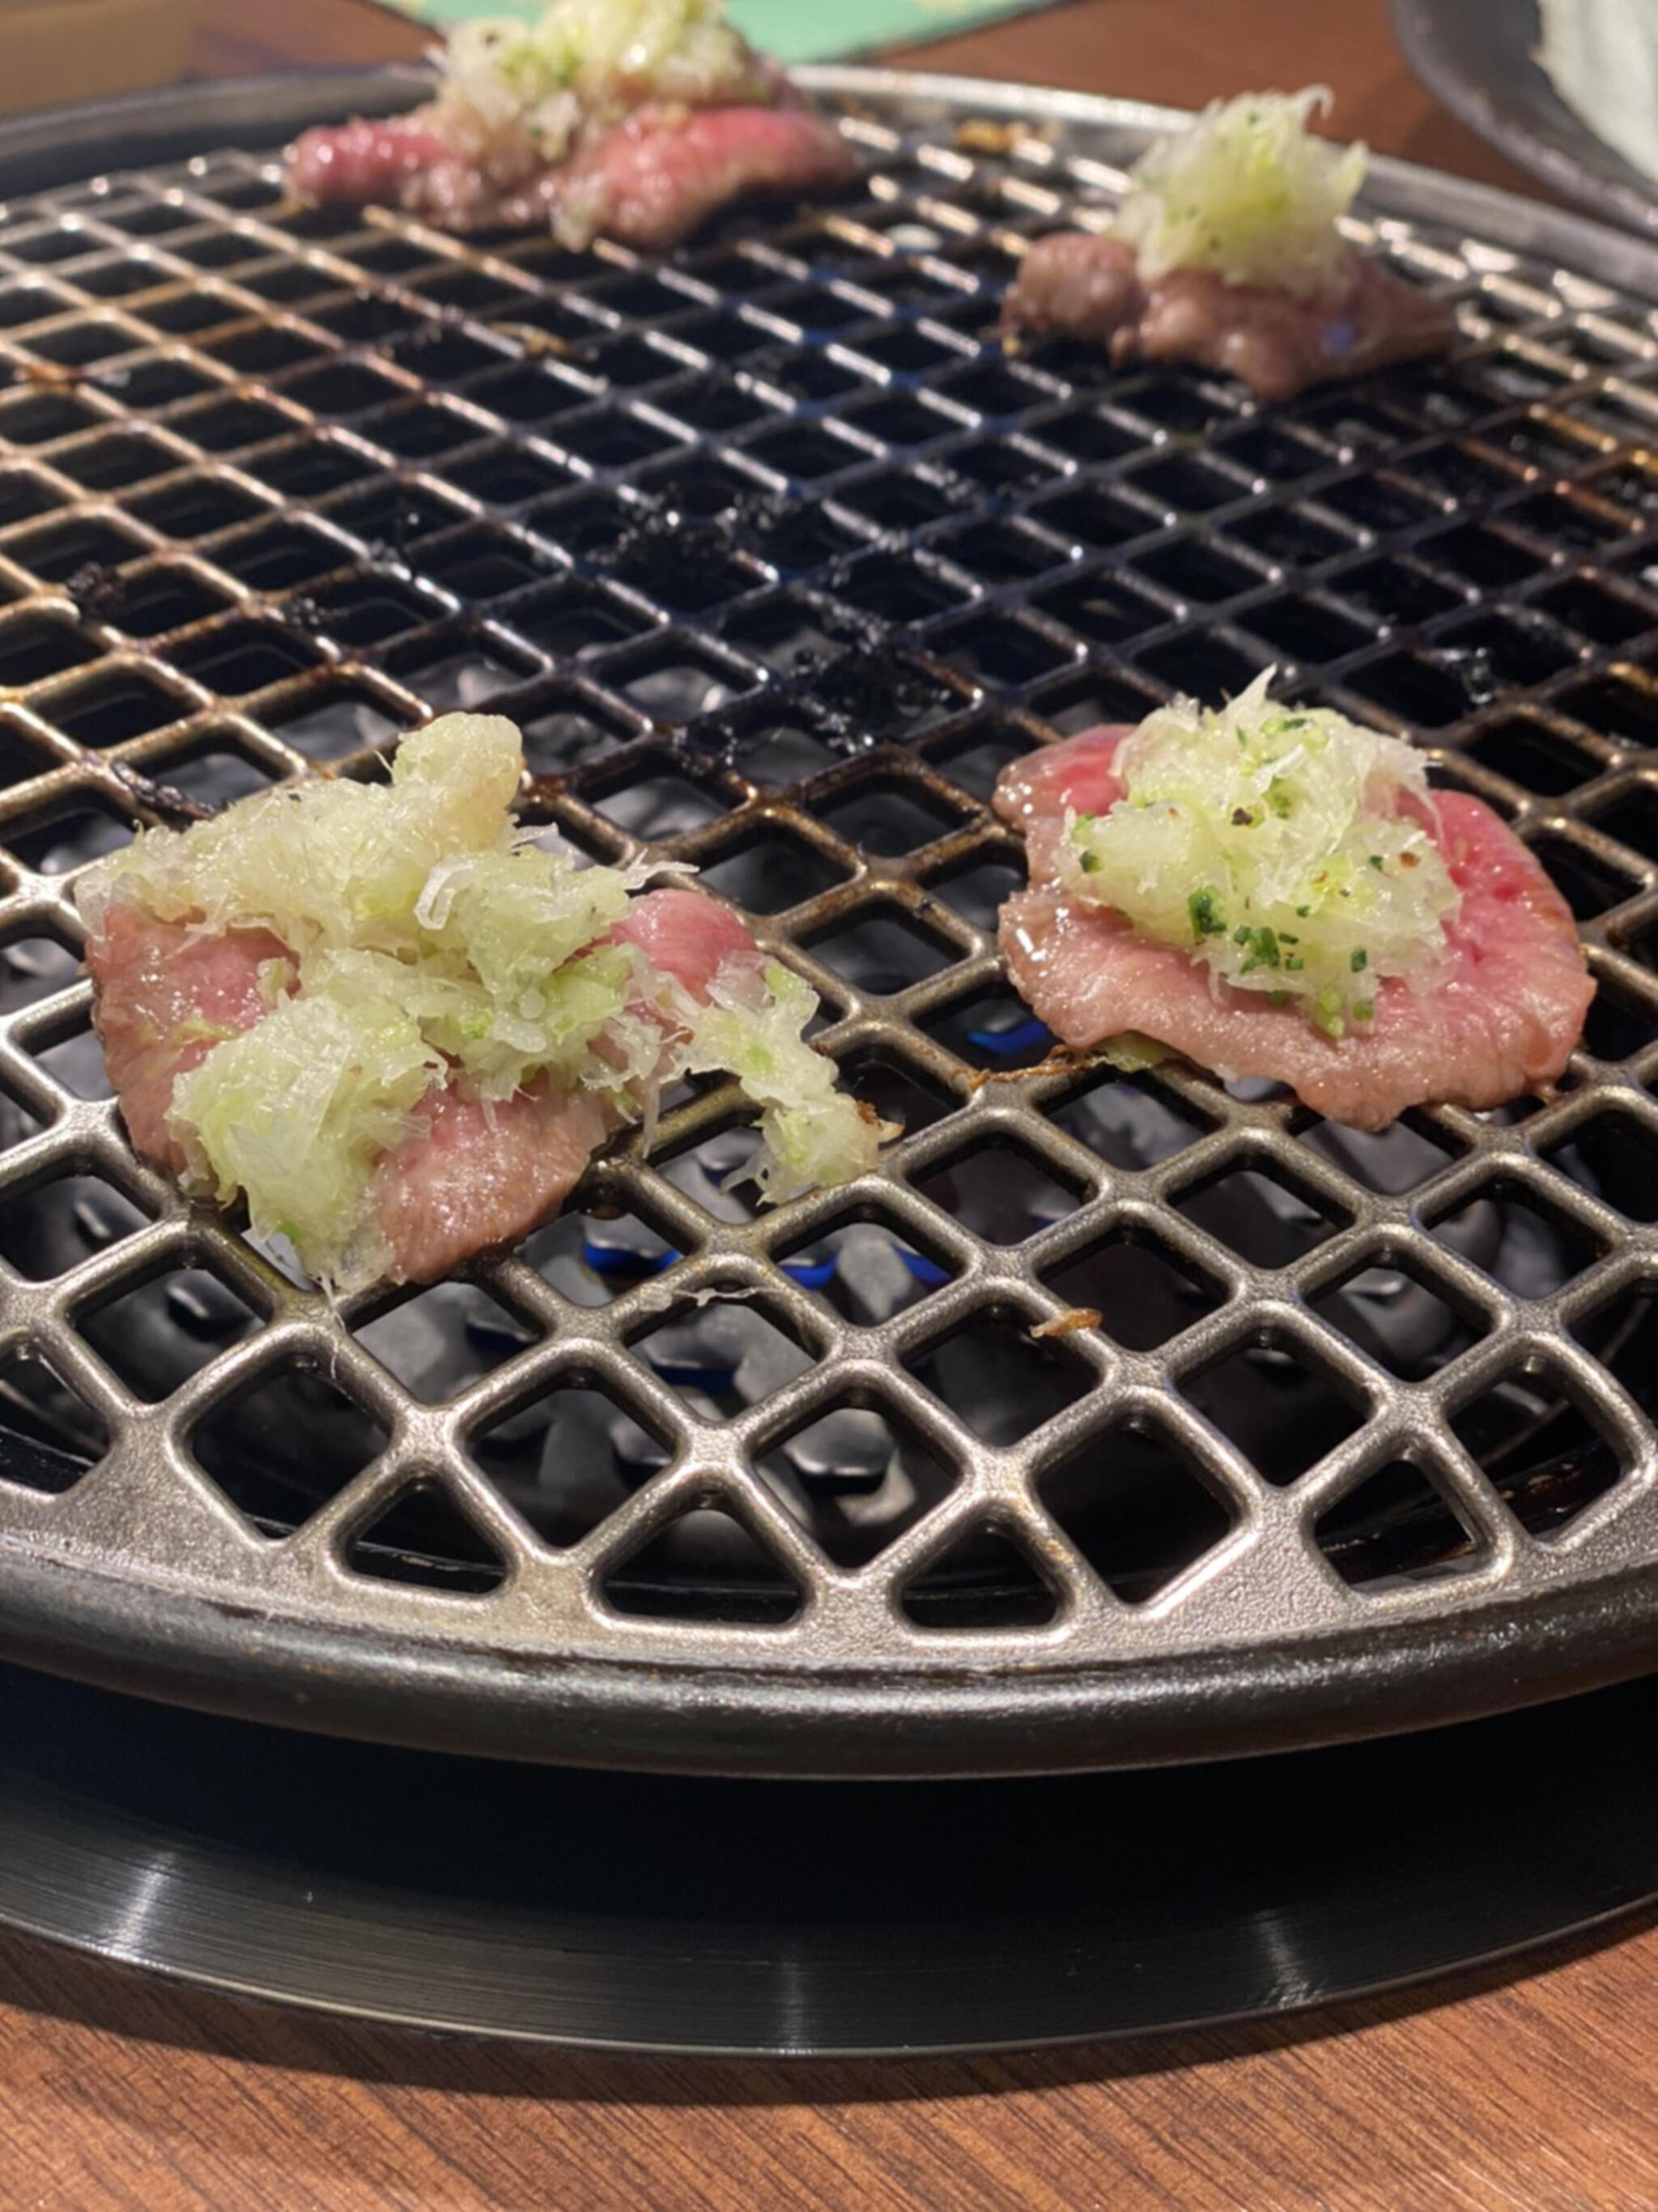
1116, 1418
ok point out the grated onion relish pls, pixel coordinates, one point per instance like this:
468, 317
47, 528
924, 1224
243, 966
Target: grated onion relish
330, 864
432, 942
754, 1029
1288, 849
1246, 191
294, 1113
508, 85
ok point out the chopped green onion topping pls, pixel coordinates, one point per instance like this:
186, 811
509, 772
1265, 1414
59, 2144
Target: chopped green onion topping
1338, 876
1203, 907
1246, 191
519, 94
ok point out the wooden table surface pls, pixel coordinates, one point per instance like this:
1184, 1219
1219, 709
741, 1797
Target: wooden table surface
1529, 2091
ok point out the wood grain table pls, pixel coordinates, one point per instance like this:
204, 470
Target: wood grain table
1527, 2090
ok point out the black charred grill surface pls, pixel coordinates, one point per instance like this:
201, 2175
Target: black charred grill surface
777, 559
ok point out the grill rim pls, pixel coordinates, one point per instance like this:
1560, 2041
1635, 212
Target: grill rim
695, 1713
953, 1722
152, 127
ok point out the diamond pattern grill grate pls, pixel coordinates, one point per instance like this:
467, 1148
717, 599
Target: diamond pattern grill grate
777, 560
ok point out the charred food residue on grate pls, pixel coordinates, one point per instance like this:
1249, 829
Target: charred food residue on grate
778, 561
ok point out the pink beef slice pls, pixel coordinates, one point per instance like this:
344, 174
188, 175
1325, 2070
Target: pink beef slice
478, 1175
165, 995
1078, 284
648, 181
471, 1176
357, 163
1502, 1019
686, 934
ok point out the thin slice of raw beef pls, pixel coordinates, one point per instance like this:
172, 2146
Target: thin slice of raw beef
647, 181
1499, 1017
478, 1175
474, 1175
165, 997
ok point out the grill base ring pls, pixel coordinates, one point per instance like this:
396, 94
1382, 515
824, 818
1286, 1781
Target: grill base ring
636, 1913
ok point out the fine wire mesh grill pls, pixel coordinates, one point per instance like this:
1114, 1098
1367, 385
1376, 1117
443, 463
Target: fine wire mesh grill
777, 560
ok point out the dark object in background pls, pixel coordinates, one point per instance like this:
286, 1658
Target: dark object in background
672, 1913
1476, 56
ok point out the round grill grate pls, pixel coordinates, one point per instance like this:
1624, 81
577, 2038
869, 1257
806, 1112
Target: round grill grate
1118, 1417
